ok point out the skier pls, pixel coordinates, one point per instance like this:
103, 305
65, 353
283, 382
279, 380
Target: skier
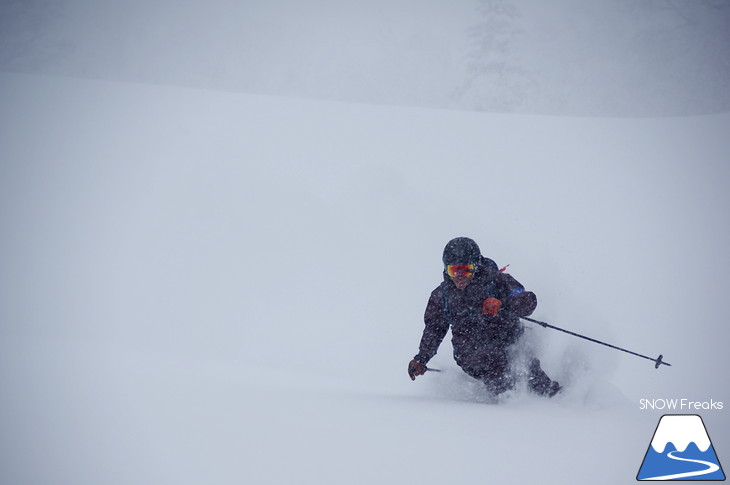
482, 305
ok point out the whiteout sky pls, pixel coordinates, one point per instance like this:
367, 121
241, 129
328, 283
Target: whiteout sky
622, 58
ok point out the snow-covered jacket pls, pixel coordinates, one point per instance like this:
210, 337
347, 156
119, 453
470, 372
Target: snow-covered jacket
474, 334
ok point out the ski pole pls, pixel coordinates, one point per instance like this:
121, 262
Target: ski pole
658, 361
431, 369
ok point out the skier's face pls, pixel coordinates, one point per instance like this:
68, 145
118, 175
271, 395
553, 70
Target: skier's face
461, 274
461, 281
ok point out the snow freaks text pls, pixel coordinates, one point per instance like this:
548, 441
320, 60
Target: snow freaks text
679, 404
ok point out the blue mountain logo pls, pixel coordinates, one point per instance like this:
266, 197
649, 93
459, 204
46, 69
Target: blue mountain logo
681, 450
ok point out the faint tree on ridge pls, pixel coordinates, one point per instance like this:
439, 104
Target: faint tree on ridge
494, 79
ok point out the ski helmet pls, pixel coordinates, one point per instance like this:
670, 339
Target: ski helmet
461, 250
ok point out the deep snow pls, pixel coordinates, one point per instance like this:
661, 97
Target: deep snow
206, 287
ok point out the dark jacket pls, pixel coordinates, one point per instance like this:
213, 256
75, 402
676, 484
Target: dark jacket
477, 338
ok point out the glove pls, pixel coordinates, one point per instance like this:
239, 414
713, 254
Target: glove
491, 306
415, 369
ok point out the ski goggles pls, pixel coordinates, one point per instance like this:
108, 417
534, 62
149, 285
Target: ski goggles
454, 270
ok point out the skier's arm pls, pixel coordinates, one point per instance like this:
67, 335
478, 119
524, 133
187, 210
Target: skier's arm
517, 300
435, 330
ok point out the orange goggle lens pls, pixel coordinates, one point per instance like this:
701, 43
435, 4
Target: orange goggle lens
455, 270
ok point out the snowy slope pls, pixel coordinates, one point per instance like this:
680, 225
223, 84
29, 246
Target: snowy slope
205, 287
